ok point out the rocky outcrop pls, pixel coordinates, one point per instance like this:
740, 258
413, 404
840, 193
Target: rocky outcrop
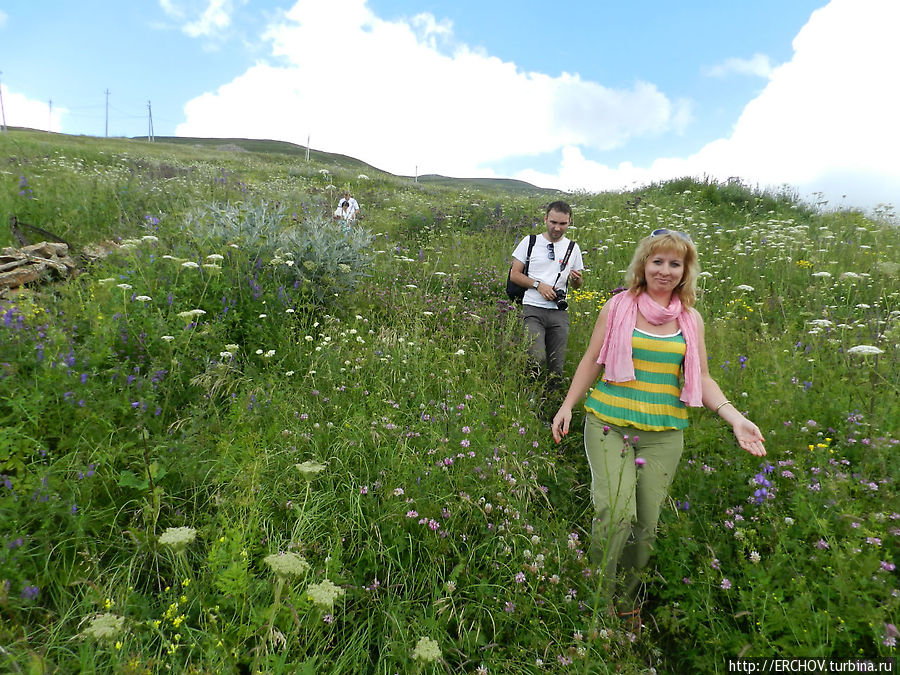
44, 261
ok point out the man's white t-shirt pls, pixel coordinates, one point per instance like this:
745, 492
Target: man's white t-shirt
354, 206
541, 268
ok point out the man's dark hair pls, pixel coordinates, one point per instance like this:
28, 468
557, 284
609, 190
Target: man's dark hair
343, 204
561, 207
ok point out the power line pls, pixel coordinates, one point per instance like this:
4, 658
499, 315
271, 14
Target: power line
126, 114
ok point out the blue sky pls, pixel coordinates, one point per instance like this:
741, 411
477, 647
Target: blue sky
577, 95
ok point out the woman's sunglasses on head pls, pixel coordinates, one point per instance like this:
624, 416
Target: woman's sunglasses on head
664, 230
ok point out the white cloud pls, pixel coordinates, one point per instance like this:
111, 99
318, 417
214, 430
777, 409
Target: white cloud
20, 111
758, 65
171, 9
401, 94
404, 96
200, 19
4, 17
825, 122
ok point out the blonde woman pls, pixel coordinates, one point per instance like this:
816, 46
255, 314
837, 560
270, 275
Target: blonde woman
646, 362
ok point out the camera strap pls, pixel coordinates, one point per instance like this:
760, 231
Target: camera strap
563, 263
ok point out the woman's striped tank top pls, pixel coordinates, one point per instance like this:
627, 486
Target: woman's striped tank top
650, 402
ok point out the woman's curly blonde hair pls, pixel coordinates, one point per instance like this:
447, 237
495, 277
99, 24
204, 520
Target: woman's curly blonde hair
672, 242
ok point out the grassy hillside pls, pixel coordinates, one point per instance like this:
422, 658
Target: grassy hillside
251, 440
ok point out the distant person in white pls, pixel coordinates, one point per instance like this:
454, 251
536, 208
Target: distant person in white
353, 205
342, 212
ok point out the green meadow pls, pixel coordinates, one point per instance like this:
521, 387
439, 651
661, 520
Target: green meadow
250, 440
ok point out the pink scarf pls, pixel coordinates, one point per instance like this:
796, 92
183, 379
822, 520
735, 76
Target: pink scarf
615, 353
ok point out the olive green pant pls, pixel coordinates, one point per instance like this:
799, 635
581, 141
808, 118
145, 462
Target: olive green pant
627, 498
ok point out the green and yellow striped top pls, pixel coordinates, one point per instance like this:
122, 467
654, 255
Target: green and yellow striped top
650, 402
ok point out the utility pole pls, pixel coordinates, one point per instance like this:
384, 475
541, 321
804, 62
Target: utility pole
2, 110
106, 128
50, 116
307, 148
150, 122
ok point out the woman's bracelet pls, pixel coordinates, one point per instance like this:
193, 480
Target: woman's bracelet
723, 403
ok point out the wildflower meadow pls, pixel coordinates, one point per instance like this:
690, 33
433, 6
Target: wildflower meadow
248, 439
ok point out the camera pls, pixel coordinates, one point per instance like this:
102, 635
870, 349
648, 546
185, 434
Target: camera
561, 302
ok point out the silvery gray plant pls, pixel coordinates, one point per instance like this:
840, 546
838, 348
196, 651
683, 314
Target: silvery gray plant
326, 258
253, 226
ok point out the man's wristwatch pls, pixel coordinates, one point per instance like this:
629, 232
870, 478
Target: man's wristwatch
535, 285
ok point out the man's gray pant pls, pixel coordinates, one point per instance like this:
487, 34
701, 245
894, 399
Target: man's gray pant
548, 334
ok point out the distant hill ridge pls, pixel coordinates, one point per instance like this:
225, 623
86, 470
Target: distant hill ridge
343, 161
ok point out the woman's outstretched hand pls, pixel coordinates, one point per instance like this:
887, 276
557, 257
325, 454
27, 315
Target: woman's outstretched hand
749, 437
561, 422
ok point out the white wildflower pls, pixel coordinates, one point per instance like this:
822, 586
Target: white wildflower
363, 176
743, 287
427, 650
191, 313
287, 565
309, 468
865, 350
232, 348
190, 264
323, 595
124, 287
167, 338
823, 274
215, 256
107, 280
143, 298
178, 538
105, 626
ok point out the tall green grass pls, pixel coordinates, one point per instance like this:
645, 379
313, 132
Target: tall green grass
149, 394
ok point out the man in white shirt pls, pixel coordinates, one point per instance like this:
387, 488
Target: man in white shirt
353, 205
545, 319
